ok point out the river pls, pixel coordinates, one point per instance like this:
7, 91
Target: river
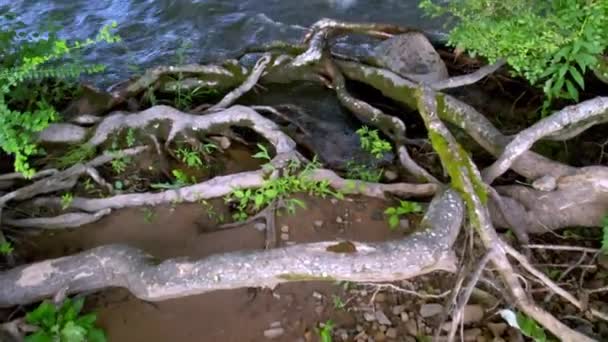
153, 30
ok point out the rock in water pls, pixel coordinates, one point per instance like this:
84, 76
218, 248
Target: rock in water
411, 55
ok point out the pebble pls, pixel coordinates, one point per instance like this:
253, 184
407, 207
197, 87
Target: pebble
369, 317
276, 324
497, 329
317, 295
472, 314
284, 236
343, 334
398, 309
380, 298
260, 226
319, 310
318, 223
430, 310
333, 201
383, 328
223, 141
411, 327
285, 229
274, 333
545, 183
404, 224
339, 219
391, 333
405, 317
359, 328
382, 319
390, 175
379, 337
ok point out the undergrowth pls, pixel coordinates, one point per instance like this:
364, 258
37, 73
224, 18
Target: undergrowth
26, 59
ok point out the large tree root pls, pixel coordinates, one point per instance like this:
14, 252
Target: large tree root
115, 265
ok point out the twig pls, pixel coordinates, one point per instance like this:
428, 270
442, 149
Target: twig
405, 291
464, 299
249, 83
563, 248
548, 282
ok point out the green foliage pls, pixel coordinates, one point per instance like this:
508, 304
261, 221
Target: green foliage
372, 143
404, 208
6, 248
181, 178
189, 157
120, 163
26, 58
605, 234
291, 182
263, 153
530, 328
363, 172
338, 302
551, 43
64, 323
325, 331
66, 200
149, 215
75, 155
130, 137
211, 212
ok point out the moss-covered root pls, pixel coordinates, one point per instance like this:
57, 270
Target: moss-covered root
466, 179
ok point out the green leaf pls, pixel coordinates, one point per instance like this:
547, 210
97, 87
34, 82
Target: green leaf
39, 336
390, 211
73, 333
86, 321
44, 315
96, 335
393, 221
577, 77
572, 90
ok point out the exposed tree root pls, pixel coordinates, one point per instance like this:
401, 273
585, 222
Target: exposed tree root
122, 266
69, 220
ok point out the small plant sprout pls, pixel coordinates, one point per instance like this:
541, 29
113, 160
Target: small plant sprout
63, 323
66, 200
149, 215
130, 137
326, 330
362, 172
119, 165
404, 208
6, 248
338, 302
372, 143
263, 153
182, 179
189, 157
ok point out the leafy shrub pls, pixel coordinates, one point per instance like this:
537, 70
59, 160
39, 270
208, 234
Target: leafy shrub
64, 323
27, 57
552, 43
372, 143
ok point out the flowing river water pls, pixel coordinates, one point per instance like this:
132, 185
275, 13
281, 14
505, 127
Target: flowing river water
153, 30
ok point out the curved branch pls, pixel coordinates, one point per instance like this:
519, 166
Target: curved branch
474, 77
122, 266
585, 113
69, 220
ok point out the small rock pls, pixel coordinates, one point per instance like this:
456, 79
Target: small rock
274, 333
343, 334
398, 309
411, 327
223, 142
319, 310
391, 333
382, 319
260, 226
369, 317
284, 236
430, 310
383, 328
375, 326
497, 329
472, 314
379, 337
285, 229
404, 317
276, 324
380, 297
390, 175
334, 201
545, 183
318, 223
317, 295
472, 334
308, 336
404, 224
339, 219
359, 328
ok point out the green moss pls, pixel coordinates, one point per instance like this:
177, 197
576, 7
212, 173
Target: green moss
304, 277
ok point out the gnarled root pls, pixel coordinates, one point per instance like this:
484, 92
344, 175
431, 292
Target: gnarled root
122, 266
